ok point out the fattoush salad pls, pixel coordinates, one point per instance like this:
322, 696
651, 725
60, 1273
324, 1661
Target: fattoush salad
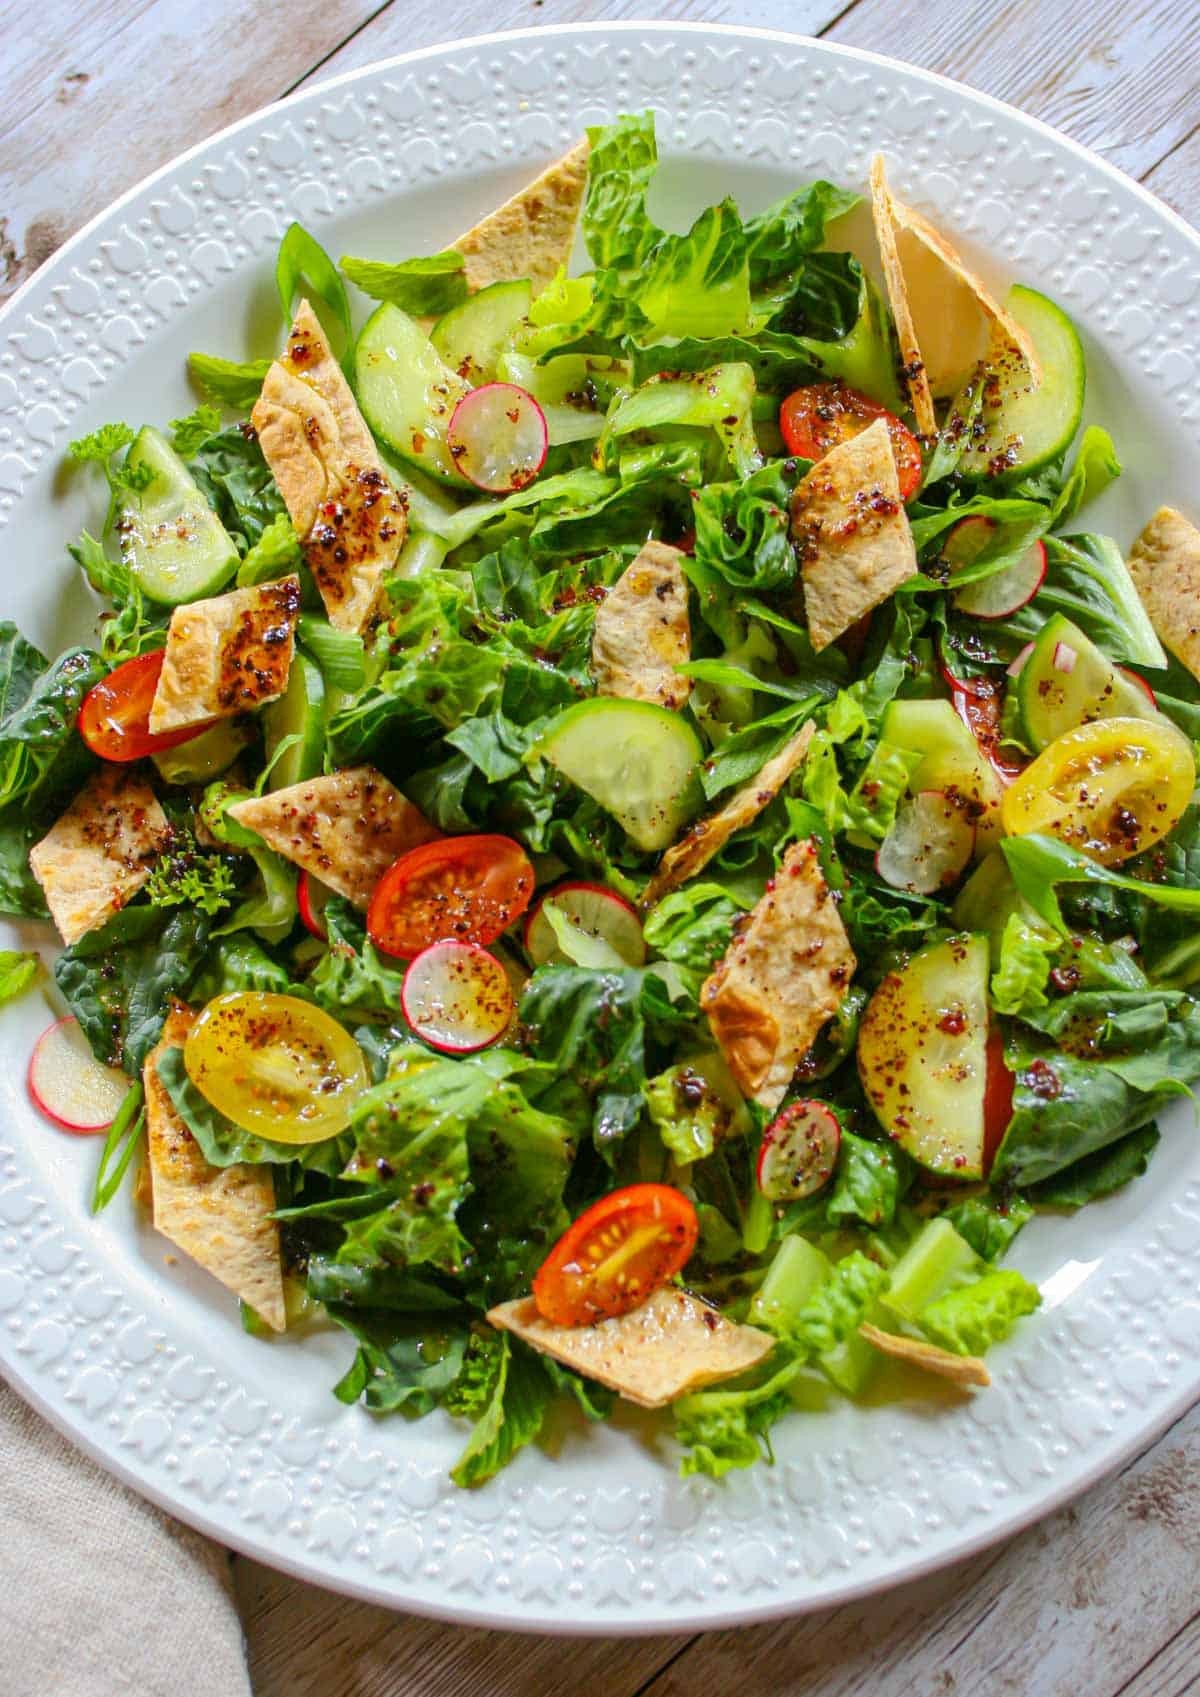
620, 836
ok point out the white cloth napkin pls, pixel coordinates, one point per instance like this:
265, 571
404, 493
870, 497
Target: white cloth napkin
101, 1595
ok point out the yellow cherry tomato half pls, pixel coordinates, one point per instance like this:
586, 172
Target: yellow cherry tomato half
276, 1066
1109, 789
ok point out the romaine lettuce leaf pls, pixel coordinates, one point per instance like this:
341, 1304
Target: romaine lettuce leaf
969, 1320
503, 1389
1100, 1174
424, 287
990, 1222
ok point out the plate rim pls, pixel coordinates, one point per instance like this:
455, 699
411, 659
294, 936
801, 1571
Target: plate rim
999, 1526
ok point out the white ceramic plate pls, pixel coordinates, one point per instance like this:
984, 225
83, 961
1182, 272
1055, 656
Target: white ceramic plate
140, 1359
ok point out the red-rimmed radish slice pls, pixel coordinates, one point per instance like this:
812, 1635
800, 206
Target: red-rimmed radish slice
1065, 658
498, 438
311, 896
1141, 684
593, 909
930, 843
457, 997
1017, 664
997, 596
799, 1151
69, 1085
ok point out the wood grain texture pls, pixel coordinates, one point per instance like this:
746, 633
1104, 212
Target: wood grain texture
1101, 1598
1176, 179
1119, 75
305, 1642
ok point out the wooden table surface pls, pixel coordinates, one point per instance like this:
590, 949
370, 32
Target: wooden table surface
1101, 1599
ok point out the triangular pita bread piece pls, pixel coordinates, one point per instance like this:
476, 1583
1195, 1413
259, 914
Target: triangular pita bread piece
672, 1344
228, 654
783, 975
349, 518
345, 829
642, 633
850, 528
99, 854
1165, 566
960, 1369
219, 1216
946, 317
532, 234
701, 841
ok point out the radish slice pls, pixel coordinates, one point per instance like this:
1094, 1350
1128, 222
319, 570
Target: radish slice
1017, 665
930, 843
799, 1151
311, 896
1064, 658
1141, 684
456, 996
69, 1085
593, 909
997, 596
498, 438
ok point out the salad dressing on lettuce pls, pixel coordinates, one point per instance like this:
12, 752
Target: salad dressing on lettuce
624, 832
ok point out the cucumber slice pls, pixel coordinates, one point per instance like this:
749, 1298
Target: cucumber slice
206, 756
299, 712
1067, 681
922, 1055
171, 540
953, 760
469, 337
935, 1262
1023, 428
795, 1275
639, 761
407, 394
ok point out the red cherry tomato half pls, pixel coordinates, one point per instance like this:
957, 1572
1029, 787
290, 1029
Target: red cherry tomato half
618, 1252
457, 890
815, 419
997, 1099
114, 719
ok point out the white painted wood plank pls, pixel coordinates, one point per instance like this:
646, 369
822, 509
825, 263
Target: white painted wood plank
104, 104
305, 1642
423, 23
1078, 1604
1176, 179
1120, 75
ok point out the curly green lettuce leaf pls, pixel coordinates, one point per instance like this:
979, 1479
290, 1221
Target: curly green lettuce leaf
188, 435
352, 978
276, 553
622, 160
231, 383
1027, 954
589, 1028
969, 1320
778, 239
238, 485
989, 1223
18, 970
504, 1390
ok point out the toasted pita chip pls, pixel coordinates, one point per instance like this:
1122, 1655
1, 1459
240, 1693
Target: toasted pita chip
99, 854
701, 841
672, 1344
642, 633
783, 975
946, 318
220, 1216
852, 533
961, 1369
351, 520
1165, 566
345, 829
227, 655
532, 234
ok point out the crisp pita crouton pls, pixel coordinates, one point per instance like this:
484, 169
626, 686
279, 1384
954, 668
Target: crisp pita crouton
345, 829
227, 655
220, 1216
100, 852
532, 234
642, 633
783, 975
701, 841
852, 533
962, 1369
672, 1344
946, 318
350, 519
1165, 567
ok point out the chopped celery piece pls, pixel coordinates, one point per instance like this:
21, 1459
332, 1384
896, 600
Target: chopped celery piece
935, 1262
796, 1273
